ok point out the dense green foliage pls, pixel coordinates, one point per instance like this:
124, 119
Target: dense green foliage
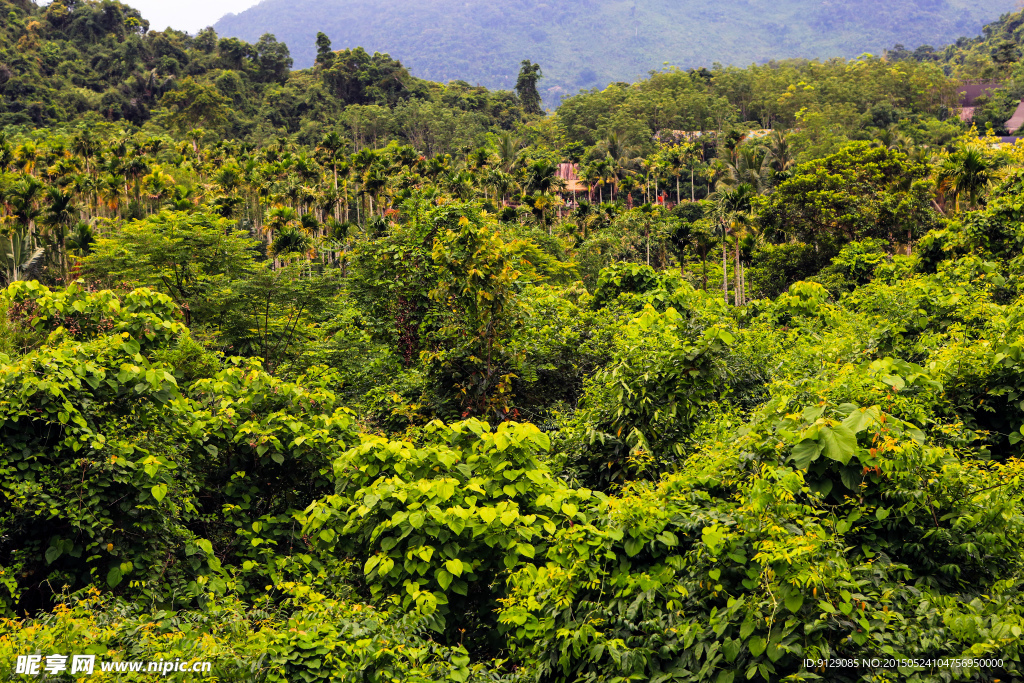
84, 58
992, 58
591, 44
399, 406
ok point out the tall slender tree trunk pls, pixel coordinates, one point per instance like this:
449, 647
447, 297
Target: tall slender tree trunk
337, 204
743, 282
738, 287
725, 268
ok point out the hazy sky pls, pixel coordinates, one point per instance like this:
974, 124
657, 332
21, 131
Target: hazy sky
186, 15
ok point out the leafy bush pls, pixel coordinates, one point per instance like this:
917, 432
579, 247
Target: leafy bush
441, 523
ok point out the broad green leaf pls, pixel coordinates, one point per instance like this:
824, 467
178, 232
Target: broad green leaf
860, 419
114, 576
634, 546
839, 442
159, 491
747, 627
805, 452
508, 517
812, 413
456, 524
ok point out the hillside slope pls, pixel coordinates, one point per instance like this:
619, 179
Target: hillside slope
590, 43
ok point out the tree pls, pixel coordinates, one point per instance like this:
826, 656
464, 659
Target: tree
332, 149
194, 104
17, 253
964, 174
324, 54
861, 191
194, 257
541, 176
526, 87
273, 59
59, 216
746, 164
476, 276
732, 207
507, 147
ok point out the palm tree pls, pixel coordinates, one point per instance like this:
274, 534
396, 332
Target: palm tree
290, 240
110, 189
17, 253
542, 177
6, 153
158, 186
780, 155
478, 159
622, 154
964, 174
507, 149
591, 175
332, 149
374, 183
627, 184
893, 138
80, 240
59, 216
745, 235
605, 174
675, 159
26, 156
134, 168
23, 199
732, 207
588, 218
501, 182
745, 164
86, 146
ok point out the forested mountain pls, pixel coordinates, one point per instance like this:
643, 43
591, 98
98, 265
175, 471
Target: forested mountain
594, 42
337, 374
97, 60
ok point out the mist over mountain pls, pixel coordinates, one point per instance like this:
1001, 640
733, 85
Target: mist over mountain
590, 43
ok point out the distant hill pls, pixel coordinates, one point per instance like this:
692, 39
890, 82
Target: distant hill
588, 43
